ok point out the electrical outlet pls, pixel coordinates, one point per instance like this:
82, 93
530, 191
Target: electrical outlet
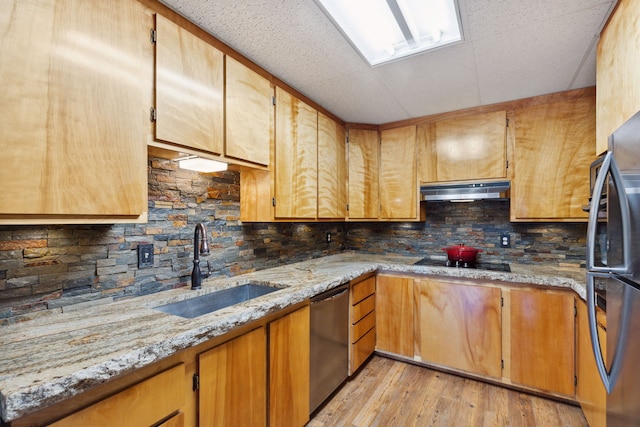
505, 240
145, 255
328, 237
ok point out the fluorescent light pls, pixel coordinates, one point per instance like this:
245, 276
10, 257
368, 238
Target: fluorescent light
200, 164
386, 30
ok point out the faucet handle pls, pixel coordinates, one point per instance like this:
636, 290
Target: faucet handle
209, 270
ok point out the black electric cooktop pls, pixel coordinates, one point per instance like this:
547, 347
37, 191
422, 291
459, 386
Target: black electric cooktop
477, 265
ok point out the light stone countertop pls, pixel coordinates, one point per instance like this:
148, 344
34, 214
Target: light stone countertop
50, 358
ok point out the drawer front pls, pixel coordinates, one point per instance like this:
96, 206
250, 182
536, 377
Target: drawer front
363, 326
363, 289
362, 349
363, 308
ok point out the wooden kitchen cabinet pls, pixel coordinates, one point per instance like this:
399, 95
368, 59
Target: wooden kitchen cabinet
618, 71
590, 391
459, 326
542, 340
249, 114
233, 382
332, 169
554, 148
398, 176
296, 158
289, 369
463, 148
362, 321
364, 169
153, 400
74, 123
189, 88
394, 315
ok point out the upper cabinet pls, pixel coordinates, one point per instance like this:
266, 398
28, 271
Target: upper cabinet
398, 179
249, 114
618, 71
74, 124
189, 89
469, 147
332, 169
364, 167
553, 150
296, 158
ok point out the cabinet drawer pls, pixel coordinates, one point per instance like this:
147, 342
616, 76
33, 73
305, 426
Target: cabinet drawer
362, 349
363, 308
363, 289
363, 326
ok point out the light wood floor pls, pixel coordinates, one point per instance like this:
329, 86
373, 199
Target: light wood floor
386, 392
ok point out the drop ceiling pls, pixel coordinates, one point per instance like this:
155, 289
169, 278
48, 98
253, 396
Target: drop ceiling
512, 49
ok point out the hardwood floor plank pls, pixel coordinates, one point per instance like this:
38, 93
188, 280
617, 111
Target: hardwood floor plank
387, 392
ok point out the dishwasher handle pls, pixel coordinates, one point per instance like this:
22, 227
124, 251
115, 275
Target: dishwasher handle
330, 294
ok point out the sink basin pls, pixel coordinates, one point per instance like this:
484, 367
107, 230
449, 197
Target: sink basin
208, 303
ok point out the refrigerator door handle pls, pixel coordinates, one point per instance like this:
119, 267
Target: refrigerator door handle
609, 167
609, 377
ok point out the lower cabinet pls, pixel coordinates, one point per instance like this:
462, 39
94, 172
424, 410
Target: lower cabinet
362, 321
233, 378
158, 399
542, 340
394, 314
459, 326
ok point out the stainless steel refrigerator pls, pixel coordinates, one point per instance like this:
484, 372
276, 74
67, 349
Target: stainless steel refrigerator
613, 271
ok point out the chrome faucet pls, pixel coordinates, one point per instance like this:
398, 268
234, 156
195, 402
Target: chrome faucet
199, 248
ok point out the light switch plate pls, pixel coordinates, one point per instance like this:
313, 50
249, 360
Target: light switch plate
145, 255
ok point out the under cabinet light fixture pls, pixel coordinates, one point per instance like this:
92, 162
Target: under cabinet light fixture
200, 164
387, 30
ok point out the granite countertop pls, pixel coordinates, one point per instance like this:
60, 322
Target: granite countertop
54, 357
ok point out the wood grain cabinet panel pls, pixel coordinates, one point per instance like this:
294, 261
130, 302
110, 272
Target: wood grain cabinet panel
542, 340
289, 369
618, 71
189, 89
394, 315
332, 169
553, 150
460, 326
471, 147
398, 175
233, 382
74, 122
143, 404
296, 167
364, 169
249, 114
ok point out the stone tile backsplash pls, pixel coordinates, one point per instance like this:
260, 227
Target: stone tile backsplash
48, 267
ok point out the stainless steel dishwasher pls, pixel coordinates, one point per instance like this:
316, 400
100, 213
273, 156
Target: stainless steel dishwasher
329, 360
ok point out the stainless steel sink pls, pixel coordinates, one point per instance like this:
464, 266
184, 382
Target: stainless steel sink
194, 307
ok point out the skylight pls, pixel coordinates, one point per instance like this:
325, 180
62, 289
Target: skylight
387, 30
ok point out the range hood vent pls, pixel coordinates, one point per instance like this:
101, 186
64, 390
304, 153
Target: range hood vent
496, 190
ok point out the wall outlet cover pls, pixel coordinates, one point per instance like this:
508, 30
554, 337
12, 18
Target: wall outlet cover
505, 240
145, 255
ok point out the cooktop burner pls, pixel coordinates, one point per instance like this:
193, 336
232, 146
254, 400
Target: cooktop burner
477, 265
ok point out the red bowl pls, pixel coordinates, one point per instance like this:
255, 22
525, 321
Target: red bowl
462, 253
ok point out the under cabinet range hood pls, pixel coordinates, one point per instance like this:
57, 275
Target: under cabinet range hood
457, 192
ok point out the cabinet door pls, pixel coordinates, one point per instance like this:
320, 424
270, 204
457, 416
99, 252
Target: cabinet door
460, 326
553, 150
74, 121
394, 315
296, 168
364, 168
618, 62
249, 114
471, 147
542, 340
398, 181
143, 404
233, 382
289, 369
332, 169
590, 391
189, 89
